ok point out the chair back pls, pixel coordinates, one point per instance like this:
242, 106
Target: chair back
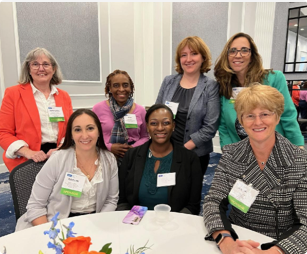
21, 181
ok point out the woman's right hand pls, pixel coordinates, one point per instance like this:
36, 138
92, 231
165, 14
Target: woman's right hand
36, 156
119, 150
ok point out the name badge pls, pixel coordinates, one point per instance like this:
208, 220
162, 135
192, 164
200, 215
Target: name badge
167, 179
73, 185
56, 114
130, 121
242, 196
235, 92
173, 106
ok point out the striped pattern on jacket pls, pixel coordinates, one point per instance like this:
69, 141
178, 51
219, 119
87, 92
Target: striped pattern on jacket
280, 209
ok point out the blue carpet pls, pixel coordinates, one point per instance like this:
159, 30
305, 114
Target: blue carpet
214, 160
7, 214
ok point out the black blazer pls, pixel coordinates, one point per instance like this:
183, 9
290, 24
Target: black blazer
183, 197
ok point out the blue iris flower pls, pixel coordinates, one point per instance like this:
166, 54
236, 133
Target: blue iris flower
55, 219
69, 230
52, 232
57, 247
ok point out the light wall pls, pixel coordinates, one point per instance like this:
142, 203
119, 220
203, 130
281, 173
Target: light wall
200, 19
140, 38
135, 37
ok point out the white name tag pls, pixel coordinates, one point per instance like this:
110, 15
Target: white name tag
130, 121
242, 196
167, 179
56, 114
173, 106
73, 185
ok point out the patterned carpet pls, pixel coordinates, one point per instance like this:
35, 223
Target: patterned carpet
7, 214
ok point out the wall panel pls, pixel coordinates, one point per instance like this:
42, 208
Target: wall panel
201, 19
68, 30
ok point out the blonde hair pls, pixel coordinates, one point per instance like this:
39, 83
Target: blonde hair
198, 45
226, 76
258, 95
25, 76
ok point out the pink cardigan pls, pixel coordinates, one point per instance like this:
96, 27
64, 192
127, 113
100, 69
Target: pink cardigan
139, 135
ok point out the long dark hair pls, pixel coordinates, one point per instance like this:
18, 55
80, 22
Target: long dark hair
68, 142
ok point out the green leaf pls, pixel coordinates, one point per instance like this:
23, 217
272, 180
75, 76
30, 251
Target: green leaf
106, 248
108, 251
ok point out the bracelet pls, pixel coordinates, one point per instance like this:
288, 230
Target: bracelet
280, 252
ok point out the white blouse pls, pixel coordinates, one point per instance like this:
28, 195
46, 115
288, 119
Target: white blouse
87, 202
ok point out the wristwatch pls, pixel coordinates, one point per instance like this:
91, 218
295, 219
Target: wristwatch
219, 239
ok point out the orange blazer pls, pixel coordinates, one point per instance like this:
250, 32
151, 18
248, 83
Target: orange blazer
19, 119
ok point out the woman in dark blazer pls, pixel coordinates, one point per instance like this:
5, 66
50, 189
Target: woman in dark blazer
197, 97
138, 173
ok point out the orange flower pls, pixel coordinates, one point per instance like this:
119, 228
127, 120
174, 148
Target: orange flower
76, 245
92, 252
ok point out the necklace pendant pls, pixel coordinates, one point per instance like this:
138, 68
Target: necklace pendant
88, 177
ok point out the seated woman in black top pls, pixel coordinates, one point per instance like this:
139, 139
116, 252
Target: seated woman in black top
139, 183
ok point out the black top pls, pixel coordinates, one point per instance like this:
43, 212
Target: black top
183, 197
184, 97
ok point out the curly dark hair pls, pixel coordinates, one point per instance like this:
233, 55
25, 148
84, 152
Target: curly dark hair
109, 79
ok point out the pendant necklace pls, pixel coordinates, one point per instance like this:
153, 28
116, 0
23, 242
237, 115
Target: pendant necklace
82, 167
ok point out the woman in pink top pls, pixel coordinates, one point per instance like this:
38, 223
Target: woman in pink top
121, 131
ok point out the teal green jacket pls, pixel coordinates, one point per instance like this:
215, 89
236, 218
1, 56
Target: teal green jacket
288, 125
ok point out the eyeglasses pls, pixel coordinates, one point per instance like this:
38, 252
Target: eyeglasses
263, 116
35, 66
243, 51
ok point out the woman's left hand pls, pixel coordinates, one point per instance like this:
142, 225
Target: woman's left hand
51, 151
190, 145
255, 245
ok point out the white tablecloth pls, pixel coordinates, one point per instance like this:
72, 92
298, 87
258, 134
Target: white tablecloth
183, 234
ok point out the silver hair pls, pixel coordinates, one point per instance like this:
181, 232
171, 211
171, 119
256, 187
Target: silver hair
25, 76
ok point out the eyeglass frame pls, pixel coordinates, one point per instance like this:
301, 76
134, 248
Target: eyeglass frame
31, 66
239, 50
255, 116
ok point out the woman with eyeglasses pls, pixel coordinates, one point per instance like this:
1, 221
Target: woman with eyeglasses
264, 178
122, 120
34, 113
238, 65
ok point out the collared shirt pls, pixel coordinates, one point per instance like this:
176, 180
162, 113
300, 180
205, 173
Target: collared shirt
87, 202
49, 130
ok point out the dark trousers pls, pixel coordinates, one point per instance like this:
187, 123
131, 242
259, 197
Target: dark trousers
303, 109
204, 161
47, 146
79, 214
298, 111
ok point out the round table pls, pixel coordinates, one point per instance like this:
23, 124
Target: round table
182, 234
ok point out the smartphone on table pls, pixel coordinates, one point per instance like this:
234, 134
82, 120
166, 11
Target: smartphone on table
135, 215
